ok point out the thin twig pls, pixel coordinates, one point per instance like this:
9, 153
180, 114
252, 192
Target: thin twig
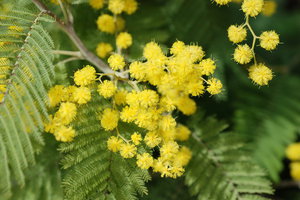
69, 30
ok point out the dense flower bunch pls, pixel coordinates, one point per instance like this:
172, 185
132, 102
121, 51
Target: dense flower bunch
293, 154
66, 99
114, 24
172, 80
259, 73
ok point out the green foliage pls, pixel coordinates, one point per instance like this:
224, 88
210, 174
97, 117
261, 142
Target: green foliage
92, 171
220, 167
270, 119
27, 75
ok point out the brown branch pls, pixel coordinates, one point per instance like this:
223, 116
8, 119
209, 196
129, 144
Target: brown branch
69, 30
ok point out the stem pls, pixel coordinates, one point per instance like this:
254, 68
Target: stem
68, 60
254, 38
68, 53
69, 30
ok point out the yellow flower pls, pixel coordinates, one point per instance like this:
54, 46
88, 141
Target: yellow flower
85, 76
148, 98
243, 54
96, 4
252, 7
177, 47
55, 95
153, 51
269, 40
109, 119
136, 138
169, 149
222, 2
128, 150
124, 40
137, 70
295, 170
182, 133
269, 8
53, 124
82, 95
167, 122
152, 139
214, 86
116, 61
66, 112
103, 49
129, 114
186, 105
130, 6
293, 151
207, 66
114, 144
236, 34
116, 6
183, 157
106, 23
64, 134
107, 89
144, 161
120, 97
260, 74
120, 24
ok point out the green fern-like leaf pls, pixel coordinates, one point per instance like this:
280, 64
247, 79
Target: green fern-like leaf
220, 168
92, 171
26, 70
270, 119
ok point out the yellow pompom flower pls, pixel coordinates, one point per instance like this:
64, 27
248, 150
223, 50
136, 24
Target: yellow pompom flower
114, 144
116, 61
130, 6
107, 89
106, 23
169, 149
144, 161
195, 88
136, 138
116, 6
167, 122
207, 66
85, 76
183, 157
177, 47
152, 139
137, 70
269, 8
260, 74
109, 119
55, 95
222, 2
182, 133
236, 34
295, 170
129, 114
269, 40
53, 124
152, 51
243, 54
124, 40
82, 95
128, 150
148, 98
214, 86
120, 24
186, 105
96, 4
120, 97
293, 151
64, 134
103, 49
66, 112
252, 7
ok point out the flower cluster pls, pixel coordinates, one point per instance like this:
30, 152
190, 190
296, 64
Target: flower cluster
67, 99
259, 73
293, 153
172, 81
114, 24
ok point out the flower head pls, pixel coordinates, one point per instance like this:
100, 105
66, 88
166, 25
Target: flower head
66, 112
96, 4
214, 86
144, 161
116, 6
136, 138
116, 61
236, 34
243, 54
85, 76
107, 89
103, 49
124, 40
64, 134
252, 7
207, 66
295, 170
269, 40
260, 74
152, 139
130, 6
82, 95
109, 119
293, 151
114, 144
222, 2
106, 23
128, 150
